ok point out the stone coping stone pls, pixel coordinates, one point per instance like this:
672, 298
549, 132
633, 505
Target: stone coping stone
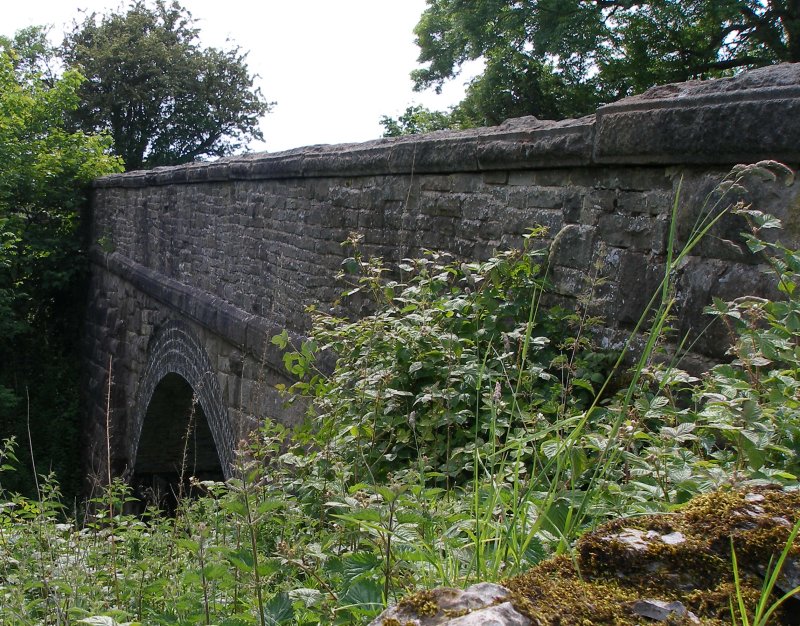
518, 143
746, 118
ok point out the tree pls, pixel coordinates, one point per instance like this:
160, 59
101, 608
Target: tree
418, 119
163, 98
45, 170
562, 58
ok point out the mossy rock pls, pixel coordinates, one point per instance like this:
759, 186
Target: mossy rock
673, 568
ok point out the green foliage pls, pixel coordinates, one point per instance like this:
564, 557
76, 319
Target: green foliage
33, 54
163, 98
418, 119
763, 610
457, 357
45, 169
561, 58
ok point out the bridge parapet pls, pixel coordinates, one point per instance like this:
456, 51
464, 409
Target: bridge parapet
734, 120
239, 247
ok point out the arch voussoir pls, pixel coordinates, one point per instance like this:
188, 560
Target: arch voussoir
175, 349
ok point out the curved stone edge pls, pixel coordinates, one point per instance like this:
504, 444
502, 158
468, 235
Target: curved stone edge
175, 349
247, 332
518, 143
726, 121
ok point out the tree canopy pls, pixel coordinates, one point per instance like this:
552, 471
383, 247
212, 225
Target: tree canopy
45, 169
417, 119
162, 97
562, 58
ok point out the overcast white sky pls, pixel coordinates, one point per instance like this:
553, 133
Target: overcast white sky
333, 66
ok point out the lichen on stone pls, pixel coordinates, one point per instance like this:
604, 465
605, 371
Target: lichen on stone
674, 569
423, 603
682, 557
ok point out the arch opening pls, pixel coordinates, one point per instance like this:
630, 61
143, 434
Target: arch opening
175, 443
179, 365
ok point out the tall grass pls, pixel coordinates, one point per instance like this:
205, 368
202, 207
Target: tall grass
765, 606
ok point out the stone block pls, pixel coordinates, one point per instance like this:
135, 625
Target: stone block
526, 178
441, 205
638, 278
436, 183
465, 183
547, 197
699, 281
495, 177
567, 281
519, 222
573, 247
640, 232
605, 200
435, 152
572, 205
475, 207
517, 198
530, 143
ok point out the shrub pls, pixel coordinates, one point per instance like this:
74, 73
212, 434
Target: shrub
456, 358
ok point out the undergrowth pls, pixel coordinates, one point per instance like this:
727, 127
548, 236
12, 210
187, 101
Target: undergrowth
466, 432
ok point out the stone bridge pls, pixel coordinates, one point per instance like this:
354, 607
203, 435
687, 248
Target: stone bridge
195, 267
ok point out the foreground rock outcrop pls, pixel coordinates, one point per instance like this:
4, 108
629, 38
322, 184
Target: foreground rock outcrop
670, 568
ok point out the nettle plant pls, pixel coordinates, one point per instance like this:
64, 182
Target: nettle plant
455, 359
759, 391
461, 375
739, 423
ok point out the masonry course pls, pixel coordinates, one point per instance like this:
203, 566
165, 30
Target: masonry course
235, 250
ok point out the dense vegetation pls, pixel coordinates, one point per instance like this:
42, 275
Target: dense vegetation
45, 169
562, 58
128, 89
466, 433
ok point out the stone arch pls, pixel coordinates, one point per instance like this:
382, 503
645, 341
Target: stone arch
175, 354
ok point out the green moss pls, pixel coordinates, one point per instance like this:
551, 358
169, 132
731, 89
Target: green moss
609, 575
391, 621
423, 603
553, 593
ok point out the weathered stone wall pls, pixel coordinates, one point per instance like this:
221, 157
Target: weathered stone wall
142, 338
237, 249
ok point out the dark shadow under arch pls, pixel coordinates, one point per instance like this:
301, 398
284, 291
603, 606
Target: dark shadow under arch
179, 385
175, 444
